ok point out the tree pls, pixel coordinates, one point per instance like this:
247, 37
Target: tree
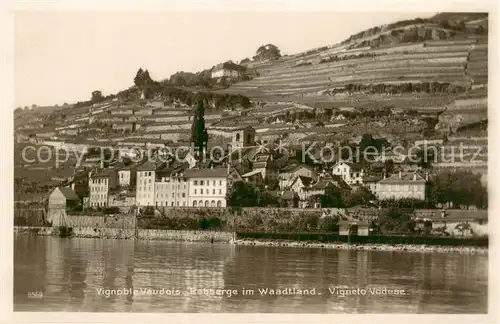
396, 220
267, 52
265, 199
199, 135
331, 198
96, 96
142, 78
33, 106
458, 187
242, 194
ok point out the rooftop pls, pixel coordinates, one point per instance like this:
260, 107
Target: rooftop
147, 166
207, 173
403, 177
68, 193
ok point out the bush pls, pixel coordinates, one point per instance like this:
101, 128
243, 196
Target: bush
328, 224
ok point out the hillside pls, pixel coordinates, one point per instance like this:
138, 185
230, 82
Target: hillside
407, 81
430, 64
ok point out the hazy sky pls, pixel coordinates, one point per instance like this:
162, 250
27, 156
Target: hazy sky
62, 57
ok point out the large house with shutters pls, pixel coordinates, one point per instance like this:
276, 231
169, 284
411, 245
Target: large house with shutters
402, 185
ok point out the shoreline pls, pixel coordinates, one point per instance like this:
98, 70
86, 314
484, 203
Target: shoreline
365, 247
227, 238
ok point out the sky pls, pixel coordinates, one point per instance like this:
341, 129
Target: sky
64, 56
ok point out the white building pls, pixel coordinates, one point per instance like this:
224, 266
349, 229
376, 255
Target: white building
99, 187
171, 188
228, 70
145, 184
350, 172
207, 187
402, 185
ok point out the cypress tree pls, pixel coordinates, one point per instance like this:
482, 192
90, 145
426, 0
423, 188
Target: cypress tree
199, 135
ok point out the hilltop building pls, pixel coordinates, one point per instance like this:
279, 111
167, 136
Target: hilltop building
228, 70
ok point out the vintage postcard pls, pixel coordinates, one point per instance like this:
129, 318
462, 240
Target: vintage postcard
247, 160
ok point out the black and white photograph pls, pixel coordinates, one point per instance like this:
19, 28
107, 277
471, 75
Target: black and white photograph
255, 162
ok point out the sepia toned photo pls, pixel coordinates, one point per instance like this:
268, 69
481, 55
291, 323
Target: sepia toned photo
251, 162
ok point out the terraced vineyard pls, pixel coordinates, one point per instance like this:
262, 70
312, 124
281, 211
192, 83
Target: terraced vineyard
427, 74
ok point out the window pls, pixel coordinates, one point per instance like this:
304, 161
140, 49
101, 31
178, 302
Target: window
201, 191
206, 203
200, 203
218, 203
149, 174
214, 183
149, 181
213, 192
195, 191
183, 195
220, 191
173, 195
177, 204
195, 182
194, 203
172, 204
202, 183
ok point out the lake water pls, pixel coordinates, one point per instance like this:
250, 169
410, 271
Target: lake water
60, 274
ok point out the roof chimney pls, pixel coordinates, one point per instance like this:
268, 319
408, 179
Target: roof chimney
414, 176
427, 176
400, 174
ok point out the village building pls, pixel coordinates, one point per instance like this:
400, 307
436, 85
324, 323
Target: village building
145, 185
300, 184
254, 178
61, 199
402, 185
242, 137
289, 173
264, 164
233, 176
127, 176
171, 187
350, 172
100, 185
207, 187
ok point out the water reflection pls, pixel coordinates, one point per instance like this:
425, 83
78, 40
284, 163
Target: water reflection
71, 272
